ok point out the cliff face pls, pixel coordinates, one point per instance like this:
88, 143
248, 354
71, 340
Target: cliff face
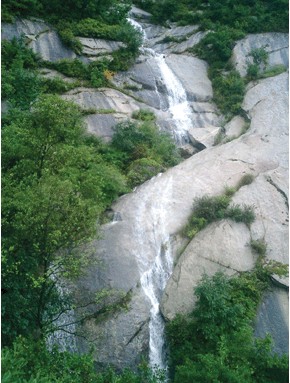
150, 218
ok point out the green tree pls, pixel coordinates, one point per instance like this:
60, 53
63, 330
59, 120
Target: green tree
55, 187
216, 343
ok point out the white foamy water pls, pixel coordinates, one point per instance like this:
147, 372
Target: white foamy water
154, 258
179, 107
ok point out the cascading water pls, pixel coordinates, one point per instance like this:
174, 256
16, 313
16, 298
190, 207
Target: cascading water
153, 280
179, 107
155, 275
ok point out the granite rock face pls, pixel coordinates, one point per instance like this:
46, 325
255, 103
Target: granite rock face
275, 44
40, 37
160, 208
261, 152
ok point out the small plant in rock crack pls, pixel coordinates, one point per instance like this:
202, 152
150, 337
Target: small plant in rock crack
259, 246
247, 179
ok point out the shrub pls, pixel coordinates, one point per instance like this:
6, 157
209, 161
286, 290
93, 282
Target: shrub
57, 85
96, 29
143, 169
228, 92
144, 115
247, 179
245, 214
194, 225
230, 191
211, 208
259, 246
70, 40
16, 50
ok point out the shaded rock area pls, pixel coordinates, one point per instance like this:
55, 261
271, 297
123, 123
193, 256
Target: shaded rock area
273, 318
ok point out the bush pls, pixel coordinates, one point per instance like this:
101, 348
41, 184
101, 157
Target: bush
230, 191
238, 214
144, 115
96, 29
216, 343
247, 179
143, 169
57, 85
194, 225
259, 246
228, 92
211, 208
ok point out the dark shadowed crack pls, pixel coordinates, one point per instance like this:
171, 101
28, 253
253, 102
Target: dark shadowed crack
284, 195
137, 332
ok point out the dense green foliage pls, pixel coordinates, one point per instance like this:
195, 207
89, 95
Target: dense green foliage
216, 343
54, 187
30, 362
111, 11
247, 15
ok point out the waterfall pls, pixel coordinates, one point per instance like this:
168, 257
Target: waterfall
179, 107
154, 278
65, 335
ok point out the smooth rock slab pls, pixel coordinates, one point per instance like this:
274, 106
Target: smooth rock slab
99, 47
222, 246
275, 44
192, 73
40, 37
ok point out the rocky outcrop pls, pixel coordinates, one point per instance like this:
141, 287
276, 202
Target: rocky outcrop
273, 318
40, 37
275, 44
44, 40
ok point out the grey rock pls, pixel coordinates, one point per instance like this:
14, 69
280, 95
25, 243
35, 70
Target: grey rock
99, 47
40, 37
275, 44
22, 27
139, 14
235, 127
222, 246
193, 76
205, 136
